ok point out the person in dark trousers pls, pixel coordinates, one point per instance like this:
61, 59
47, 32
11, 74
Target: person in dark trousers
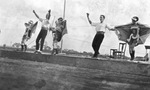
134, 37
100, 28
44, 29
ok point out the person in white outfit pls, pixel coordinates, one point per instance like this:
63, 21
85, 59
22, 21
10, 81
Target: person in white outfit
44, 29
100, 28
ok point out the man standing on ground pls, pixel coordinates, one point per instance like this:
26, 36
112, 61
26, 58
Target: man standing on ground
100, 28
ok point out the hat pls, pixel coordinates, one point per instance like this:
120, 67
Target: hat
60, 18
30, 22
135, 18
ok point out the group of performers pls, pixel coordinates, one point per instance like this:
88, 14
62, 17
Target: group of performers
133, 33
129, 33
46, 26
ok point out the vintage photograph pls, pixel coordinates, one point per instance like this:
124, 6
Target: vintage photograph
74, 45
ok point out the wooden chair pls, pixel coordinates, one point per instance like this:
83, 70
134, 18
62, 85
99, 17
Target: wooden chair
118, 53
146, 55
147, 47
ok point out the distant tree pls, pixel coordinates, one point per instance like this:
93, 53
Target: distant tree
45, 47
4, 46
85, 52
16, 45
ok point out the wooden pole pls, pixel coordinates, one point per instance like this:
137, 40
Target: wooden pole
63, 18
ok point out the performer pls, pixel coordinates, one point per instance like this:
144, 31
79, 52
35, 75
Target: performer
58, 33
134, 37
27, 35
100, 31
55, 41
42, 35
133, 33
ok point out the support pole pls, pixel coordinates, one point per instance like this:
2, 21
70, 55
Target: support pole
63, 18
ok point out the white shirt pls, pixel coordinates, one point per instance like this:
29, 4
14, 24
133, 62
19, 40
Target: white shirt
45, 23
101, 26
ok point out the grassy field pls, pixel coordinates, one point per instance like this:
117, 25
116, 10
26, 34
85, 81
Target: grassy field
29, 75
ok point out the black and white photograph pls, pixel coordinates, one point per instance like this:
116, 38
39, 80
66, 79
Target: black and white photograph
74, 44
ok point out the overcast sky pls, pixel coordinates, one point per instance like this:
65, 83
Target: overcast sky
14, 13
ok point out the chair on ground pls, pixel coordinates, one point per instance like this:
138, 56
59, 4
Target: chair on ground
147, 48
120, 52
146, 55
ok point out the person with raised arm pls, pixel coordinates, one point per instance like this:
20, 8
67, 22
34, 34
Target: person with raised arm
26, 35
100, 28
44, 29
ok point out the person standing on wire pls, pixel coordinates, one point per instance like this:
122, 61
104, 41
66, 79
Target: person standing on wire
134, 37
100, 28
27, 35
44, 29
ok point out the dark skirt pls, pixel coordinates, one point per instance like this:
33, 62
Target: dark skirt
57, 36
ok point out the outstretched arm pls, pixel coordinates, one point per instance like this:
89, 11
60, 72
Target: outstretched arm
49, 11
112, 28
89, 18
36, 14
